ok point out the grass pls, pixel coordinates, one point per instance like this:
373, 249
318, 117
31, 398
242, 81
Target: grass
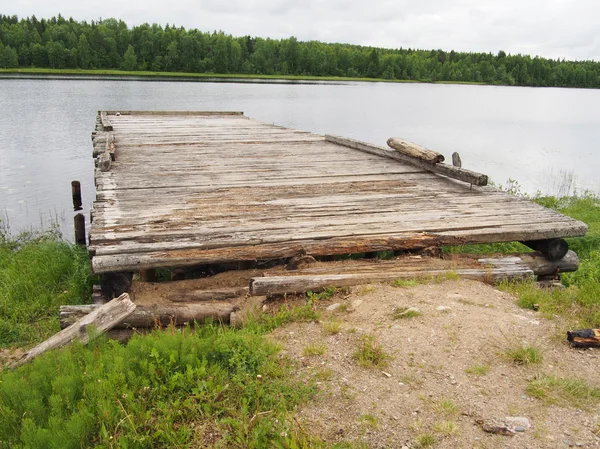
210, 387
445, 406
478, 370
332, 327
405, 283
369, 354
38, 272
369, 420
526, 355
446, 428
153, 392
425, 440
325, 294
564, 392
404, 313
200, 76
314, 349
579, 303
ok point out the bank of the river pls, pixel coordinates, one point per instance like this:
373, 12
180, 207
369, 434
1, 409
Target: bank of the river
223, 387
182, 76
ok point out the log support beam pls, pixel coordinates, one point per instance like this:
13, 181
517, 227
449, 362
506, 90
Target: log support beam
552, 249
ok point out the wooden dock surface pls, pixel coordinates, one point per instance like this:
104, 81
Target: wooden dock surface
192, 188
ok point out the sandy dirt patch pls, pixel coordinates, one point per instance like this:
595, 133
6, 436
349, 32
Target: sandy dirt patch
448, 370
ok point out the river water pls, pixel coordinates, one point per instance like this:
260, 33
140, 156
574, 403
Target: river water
547, 139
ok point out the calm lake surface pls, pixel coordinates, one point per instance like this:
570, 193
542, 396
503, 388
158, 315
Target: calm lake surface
547, 139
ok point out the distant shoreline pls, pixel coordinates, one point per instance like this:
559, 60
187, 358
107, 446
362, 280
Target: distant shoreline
70, 74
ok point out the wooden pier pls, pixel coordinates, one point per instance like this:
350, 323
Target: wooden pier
186, 188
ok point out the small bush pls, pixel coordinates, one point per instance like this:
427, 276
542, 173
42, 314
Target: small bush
425, 440
314, 349
446, 427
524, 355
445, 406
332, 327
369, 354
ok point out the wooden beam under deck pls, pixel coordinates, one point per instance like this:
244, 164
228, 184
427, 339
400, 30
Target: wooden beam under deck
191, 188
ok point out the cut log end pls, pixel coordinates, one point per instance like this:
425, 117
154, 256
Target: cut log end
552, 249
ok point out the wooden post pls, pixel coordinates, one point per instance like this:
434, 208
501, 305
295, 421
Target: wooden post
456, 160
76, 194
79, 223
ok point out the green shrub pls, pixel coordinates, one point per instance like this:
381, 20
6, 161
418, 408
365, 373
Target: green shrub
153, 392
38, 272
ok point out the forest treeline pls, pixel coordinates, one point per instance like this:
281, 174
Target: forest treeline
60, 43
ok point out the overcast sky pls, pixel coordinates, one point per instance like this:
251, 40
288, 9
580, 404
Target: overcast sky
551, 28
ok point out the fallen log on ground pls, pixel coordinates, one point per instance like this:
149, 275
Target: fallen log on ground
99, 320
538, 263
413, 150
157, 315
278, 285
584, 338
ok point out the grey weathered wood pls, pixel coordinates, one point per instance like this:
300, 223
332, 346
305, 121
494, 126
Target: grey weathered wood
88, 326
193, 295
174, 113
461, 174
146, 316
106, 124
413, 150
104, 161
456, 161
196, 188
539, 264
272, 285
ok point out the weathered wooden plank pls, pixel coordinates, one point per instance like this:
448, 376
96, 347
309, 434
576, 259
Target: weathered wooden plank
461, 174
279, 285
346, 245
319, 226
100, 320
106, 124
139, 114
